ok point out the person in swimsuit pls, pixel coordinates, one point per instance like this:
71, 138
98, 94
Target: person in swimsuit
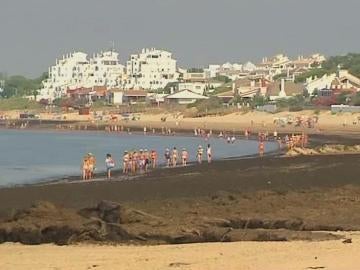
92, 165
109, 164
126, 160
85, 168
199, 154
153, 159
261, 148
146, 159
209, 153
135, 162
141, 160
167, 157
174, 156
184, 157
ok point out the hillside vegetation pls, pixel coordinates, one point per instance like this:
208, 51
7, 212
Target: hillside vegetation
350, 62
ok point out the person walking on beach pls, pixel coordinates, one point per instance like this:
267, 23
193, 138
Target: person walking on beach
153, 159
141, 160
92, 165
184, 157
109, 164
174, 156
261, 148
199, 154
146, 160
209, 153
85, 168
167, 157
134, 159
126, 160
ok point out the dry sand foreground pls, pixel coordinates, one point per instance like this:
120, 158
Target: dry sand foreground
241, 255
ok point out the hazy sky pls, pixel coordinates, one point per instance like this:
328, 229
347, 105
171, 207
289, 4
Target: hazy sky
198, 32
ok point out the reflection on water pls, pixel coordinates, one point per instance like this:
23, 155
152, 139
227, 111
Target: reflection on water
29, 156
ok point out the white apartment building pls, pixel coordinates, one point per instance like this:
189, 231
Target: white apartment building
106, 69
151, 69
75, 70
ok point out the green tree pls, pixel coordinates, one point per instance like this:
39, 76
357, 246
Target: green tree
19, 86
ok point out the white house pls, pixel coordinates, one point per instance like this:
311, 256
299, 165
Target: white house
196, 87
212, 70
151, 69
115, 96
184, 97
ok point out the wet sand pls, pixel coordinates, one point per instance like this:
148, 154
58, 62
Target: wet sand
201, 203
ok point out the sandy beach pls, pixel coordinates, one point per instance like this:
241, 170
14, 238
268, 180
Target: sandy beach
328, 123
329, 255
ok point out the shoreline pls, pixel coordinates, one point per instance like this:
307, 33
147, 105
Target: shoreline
117, 174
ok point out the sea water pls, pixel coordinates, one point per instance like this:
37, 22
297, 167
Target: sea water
28, 156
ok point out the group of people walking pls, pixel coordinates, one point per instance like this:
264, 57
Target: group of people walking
172, 157
140, 161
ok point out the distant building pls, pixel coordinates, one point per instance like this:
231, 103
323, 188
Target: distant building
150, 69
184, 97
129, 97
284, 89
341, 80
75, 71
307, 63
282, 64
196, 87
248, 88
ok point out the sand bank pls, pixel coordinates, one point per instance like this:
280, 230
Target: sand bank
328, 255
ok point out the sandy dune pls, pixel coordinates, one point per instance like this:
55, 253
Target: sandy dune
242, 255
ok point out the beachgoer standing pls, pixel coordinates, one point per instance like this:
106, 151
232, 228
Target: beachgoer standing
233, 139
209, 153
167, 157
146, 159
110, 164
126, 160
275, 135
261, 148
228, 139
85, 168
135, 158
141, 160
199, 154
92, 165
174, 156
153, 159
184, 157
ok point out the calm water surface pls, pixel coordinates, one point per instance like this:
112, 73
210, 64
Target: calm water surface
33, 156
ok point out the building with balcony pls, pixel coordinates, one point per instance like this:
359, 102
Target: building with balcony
150, 69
